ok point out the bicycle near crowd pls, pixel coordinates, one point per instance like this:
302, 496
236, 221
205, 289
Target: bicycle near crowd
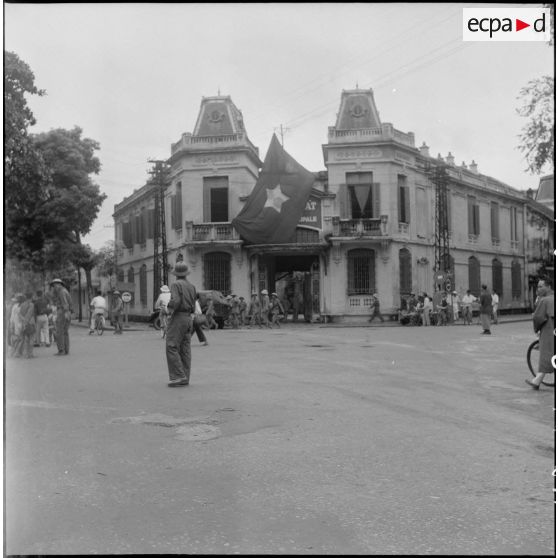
98, 307
162, 320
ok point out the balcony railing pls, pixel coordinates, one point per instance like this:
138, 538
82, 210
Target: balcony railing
210, 232
386, 132
203, 142
359, 227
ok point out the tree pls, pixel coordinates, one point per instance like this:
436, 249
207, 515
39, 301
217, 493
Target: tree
537, 137
26, 175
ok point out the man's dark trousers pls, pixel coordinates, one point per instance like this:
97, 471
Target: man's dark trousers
179, 356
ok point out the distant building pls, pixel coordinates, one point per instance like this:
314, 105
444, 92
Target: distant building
368, 227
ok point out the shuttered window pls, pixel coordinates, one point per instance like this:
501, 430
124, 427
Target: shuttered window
516, 280
497, 278
361, 271
495, 221
405, 272
404, 204
176, 207
474, 276
473, 216
360, 197
143, 284
513, 224
150, 223
130, 275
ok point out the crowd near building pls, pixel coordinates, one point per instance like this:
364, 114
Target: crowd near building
367, 226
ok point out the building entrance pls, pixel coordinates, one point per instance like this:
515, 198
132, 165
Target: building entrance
296, 280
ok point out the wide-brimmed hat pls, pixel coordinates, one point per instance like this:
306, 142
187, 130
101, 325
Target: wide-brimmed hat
264, 292
56, 281
115, 292
180, 269
273, 294
165, 289
19, 297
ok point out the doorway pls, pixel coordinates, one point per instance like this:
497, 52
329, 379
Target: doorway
296, 280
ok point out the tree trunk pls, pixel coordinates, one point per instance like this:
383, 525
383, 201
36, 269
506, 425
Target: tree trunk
79, 294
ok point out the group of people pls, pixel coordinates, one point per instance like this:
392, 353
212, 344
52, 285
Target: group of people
424, 310
263, 311
36, 320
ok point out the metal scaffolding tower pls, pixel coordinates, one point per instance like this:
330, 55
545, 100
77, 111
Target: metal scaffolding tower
438, 174
159, 175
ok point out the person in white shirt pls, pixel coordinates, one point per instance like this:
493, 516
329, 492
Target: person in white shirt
495, 302
162, 301
97, 305
467, 303
426, 310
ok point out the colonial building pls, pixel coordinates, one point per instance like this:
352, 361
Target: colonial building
369, 225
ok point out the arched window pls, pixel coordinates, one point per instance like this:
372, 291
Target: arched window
120, 274
474, 276
143, 284
361, 269
516, 280
131, 275
497, 279
405, 272
217, 272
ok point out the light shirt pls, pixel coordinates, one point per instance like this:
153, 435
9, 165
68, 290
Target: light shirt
468, 299
99, 303
163, 301
495, 298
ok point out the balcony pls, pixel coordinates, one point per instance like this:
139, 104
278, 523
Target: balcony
210, 232
386, 133
359, 228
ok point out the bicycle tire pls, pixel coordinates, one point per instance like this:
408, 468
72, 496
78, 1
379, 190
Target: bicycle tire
157, 323
533, 363
99, 326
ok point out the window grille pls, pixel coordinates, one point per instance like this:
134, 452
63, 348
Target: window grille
143, 284
362, 271
217, 272
516, 280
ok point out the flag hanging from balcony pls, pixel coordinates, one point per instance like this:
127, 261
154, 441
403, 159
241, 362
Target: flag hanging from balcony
275, 206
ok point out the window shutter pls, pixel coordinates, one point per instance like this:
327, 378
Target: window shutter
407, 205
206, 203
470, 218
178, 208
343, 201
476, 218
150, 223
376, 200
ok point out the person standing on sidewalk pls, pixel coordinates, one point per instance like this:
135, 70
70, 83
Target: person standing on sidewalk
544, 324
117, 310
42, 310
182, 304
495, 302
63, 302
485, 309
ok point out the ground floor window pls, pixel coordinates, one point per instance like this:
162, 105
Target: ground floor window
497, 280
217, 272
361, 268
474, 276
143, 284
405, 272
516, 280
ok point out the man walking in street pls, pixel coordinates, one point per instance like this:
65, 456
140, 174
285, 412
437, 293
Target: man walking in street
544, 324
485, 309
376, 308
61, 299
182, 305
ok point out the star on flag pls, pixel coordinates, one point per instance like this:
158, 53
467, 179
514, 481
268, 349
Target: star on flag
275, 198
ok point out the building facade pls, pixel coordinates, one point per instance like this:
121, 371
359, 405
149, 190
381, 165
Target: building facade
370, 223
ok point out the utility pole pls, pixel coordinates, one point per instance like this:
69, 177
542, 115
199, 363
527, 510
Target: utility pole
282, 131
159, 180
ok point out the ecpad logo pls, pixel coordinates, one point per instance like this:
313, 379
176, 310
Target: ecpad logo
506, 24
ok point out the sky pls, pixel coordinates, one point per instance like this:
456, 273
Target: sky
132, 76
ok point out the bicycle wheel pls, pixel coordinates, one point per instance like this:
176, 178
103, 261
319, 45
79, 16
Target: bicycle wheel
533, 354
100, 325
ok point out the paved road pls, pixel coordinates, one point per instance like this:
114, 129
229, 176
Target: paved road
307, 440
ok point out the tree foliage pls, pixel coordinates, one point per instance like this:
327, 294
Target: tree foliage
537, 137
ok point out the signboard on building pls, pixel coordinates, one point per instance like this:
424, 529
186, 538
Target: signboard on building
312, 214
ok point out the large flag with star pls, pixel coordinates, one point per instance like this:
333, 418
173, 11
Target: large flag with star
274, 207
